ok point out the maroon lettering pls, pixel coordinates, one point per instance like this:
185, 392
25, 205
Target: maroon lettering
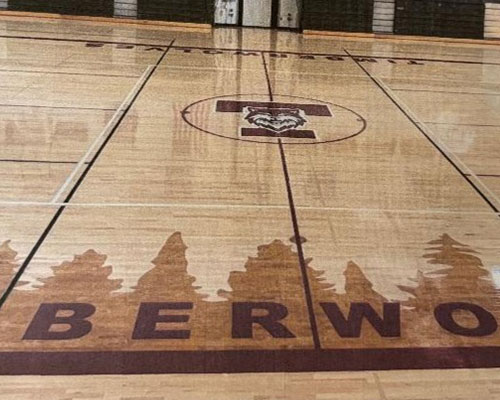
361, 59
335, 58
149, 315
487, 324
94, 44
49, 316
244, 317
213, 52
389, 325
278, 55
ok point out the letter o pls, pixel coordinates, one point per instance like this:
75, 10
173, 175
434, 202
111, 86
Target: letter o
444, 316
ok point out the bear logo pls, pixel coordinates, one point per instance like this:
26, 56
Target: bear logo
275, 119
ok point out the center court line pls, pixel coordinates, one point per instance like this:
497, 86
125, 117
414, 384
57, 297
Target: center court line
462, 169
295, 224
75, 187
112, 123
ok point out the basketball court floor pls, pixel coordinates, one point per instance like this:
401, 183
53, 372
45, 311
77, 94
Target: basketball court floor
246, 214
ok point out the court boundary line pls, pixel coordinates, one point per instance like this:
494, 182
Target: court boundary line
20, 71
364, 56
449, 156
45, 38
75, 187
58, 107
11, 160
295, 226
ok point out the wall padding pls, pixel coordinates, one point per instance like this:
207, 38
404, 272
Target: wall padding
338, 15
446, 18
101, 8
197, 11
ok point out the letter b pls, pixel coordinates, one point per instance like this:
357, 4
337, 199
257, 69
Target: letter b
46, 317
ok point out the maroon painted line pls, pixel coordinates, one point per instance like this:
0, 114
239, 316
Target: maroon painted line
438, 60
296, 230
268, 79
291, 133
319, 110
70, 73
335, 55
239, 361
258, 51
44, 38
58, 107
53, 39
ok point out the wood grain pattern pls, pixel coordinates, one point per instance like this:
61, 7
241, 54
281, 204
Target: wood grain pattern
365, 268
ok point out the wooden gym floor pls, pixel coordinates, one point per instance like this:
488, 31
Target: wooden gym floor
245, 214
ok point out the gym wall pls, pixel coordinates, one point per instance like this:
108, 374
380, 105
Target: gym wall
445, 18
196, 11
101, 8
338, 15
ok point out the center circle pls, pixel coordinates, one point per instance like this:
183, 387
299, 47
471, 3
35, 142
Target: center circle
290, 119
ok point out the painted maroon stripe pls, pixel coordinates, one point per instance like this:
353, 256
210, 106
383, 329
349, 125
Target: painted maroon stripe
291, 133
233, 361
320, 110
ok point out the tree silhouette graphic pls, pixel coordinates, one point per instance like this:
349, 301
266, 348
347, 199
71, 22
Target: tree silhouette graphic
86, 278
8, 265
274, 275
169, 282
358, 289
463, 279
169, 279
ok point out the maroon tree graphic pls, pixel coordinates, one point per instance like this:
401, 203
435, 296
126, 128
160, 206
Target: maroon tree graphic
463, 278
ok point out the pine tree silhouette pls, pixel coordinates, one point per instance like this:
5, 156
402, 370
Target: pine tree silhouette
358, 289
273, 276
83, 279
169, 280
464, 279
8, 265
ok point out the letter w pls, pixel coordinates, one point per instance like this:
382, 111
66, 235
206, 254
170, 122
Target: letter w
387, 326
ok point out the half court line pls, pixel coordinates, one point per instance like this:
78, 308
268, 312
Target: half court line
296, 231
